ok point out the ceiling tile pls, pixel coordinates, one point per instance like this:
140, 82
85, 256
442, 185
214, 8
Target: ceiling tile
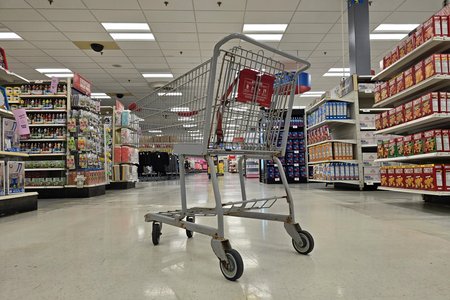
79, 26
112, 4
104, 15
280, 5
390, 5
37, 59
123, 71
12, 45
144, 53
14, 4
25, 14
74, 59
76, 15
56, 4
109, 65
151, 65
42, 36
173, 5
138, 45
219, 27
174, 16
89, 36
298, 46
29, 26
81, 65
219, 16
408, 17
293, 38
267, 17
55, 45
173, 27
326, 17
176, 53
178, 45
146, 59
176, 37
105, 53
26, 52
314, 5
308, 28
190, 60
212, 5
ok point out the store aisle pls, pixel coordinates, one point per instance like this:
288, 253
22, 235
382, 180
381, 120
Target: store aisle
368, 246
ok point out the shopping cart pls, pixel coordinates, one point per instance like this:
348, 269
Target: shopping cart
238, 102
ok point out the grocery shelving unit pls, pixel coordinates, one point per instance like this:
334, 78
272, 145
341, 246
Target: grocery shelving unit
357, 91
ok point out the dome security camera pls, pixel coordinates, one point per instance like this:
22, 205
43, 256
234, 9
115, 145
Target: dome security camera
97, 47
120, 96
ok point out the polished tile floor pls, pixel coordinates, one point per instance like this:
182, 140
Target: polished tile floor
369, 245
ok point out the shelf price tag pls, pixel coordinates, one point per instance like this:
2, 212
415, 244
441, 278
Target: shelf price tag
296, 151
295, 165
277, 179
295, 126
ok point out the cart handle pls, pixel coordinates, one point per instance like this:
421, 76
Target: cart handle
241, 36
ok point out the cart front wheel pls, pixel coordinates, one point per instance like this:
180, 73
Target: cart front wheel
190, 233
307, 243
234, 267
156, 233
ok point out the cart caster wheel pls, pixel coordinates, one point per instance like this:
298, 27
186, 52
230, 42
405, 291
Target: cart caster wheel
307, 244
190, 233
156, 233
234, 267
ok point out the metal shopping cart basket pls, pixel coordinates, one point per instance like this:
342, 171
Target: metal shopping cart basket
238, 102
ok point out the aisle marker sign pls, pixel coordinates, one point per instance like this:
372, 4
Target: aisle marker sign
54, 85
22, 121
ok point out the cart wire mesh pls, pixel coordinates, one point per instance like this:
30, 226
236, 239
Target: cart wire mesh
251, 98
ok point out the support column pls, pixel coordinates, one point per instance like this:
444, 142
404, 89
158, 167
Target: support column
359, 36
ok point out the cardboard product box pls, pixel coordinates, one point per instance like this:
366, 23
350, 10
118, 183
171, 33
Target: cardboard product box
417, 104
2, 178
117, 155
384, 90
399, 115
392, 117
392, 148
387, 61
433, 177
446, 140
444, 64
433, 141
444, 25
448, 102
386, 145
385, 119
371, 173
409, 111
399, 178
419, 72
410, 43
418, 38
432, 28
430, 104
391, 176
11, 138
409, 78
378, 122
433, 65
442, 96
369, 159
408, 174
400, 146
392, 87
418, 143
446, 179
394, 55
418, 178
383, 176
367, 120
377, 93
15, 175
400, 81
380, 149
367, 137
402, 49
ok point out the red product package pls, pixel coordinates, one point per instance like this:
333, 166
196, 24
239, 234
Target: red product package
384, 90
444, 64
392, 117
402, 49
377, 93
442, 101
391, 177
417, 108
444, 25
409, 177
410, 43
383, 176
432, 28
392, 87
399, 115
409, 78
419, 36
394, 55
446, 175
378, 122
446, 140
433, 177
409, 111
430, 104
419, 72
400, 80
408, 145
433, 65
418, 178
399, 178
385, 119
387, 61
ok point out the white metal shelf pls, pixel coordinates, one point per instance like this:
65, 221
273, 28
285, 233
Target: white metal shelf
332, 141
420, 157
7, 76
86, 186
429, 122
428, 85
369, 145
314, 106
376, 110
39, 187
45, 110
434, 45
44, 140
336, 122
47, 125
46, 154
411, 191
355, 182
18, 195
352, 161
6, 113
44, 169
42, 96
13, 154
367, 128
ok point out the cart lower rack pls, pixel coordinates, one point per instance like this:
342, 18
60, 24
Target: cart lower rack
239, 102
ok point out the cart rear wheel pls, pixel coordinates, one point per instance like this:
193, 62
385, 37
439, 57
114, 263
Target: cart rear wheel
156, 233
234, 267
307, 243
190, 233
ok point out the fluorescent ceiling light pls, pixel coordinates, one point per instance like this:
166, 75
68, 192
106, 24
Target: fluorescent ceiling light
132, 36
63, 75
99, 96
312, 94
396, 27
155, 131
339, 70
159, 135
177, 109
336, 74
54, 70
9, 36
157, 75
185, 119
170, 94
189, 125
266, 37
264, 27
388, 36
126, 26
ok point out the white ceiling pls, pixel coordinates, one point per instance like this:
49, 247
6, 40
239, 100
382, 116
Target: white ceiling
190, 26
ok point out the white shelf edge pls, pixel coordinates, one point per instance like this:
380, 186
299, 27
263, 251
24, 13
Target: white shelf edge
369, 145
86, 186
44, 187
367, 128
46, 154
44, 169
47, 125
44, 110
415, 157
13, 154
333, 141
325, 100
356, 182
336, 121
374, 109
412, 191
422, 121
44, 140
332, 161
42, 96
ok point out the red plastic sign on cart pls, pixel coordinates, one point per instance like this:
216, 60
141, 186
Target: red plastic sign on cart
253, 85
22, 121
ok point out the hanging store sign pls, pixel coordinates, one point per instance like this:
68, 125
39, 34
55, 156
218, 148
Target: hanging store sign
81, 84
22, 121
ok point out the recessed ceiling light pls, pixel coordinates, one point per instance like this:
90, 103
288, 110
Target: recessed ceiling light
265, 27
126, 26
171, 94
336, 74
189, 125
339, 70
266, 37
157, 75
387, 36
63, 75
178, 109
155, 131
99, 96
396, 27
132, 36
54, 70
9, 36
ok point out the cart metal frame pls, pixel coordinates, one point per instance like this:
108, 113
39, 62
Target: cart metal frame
213, 109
